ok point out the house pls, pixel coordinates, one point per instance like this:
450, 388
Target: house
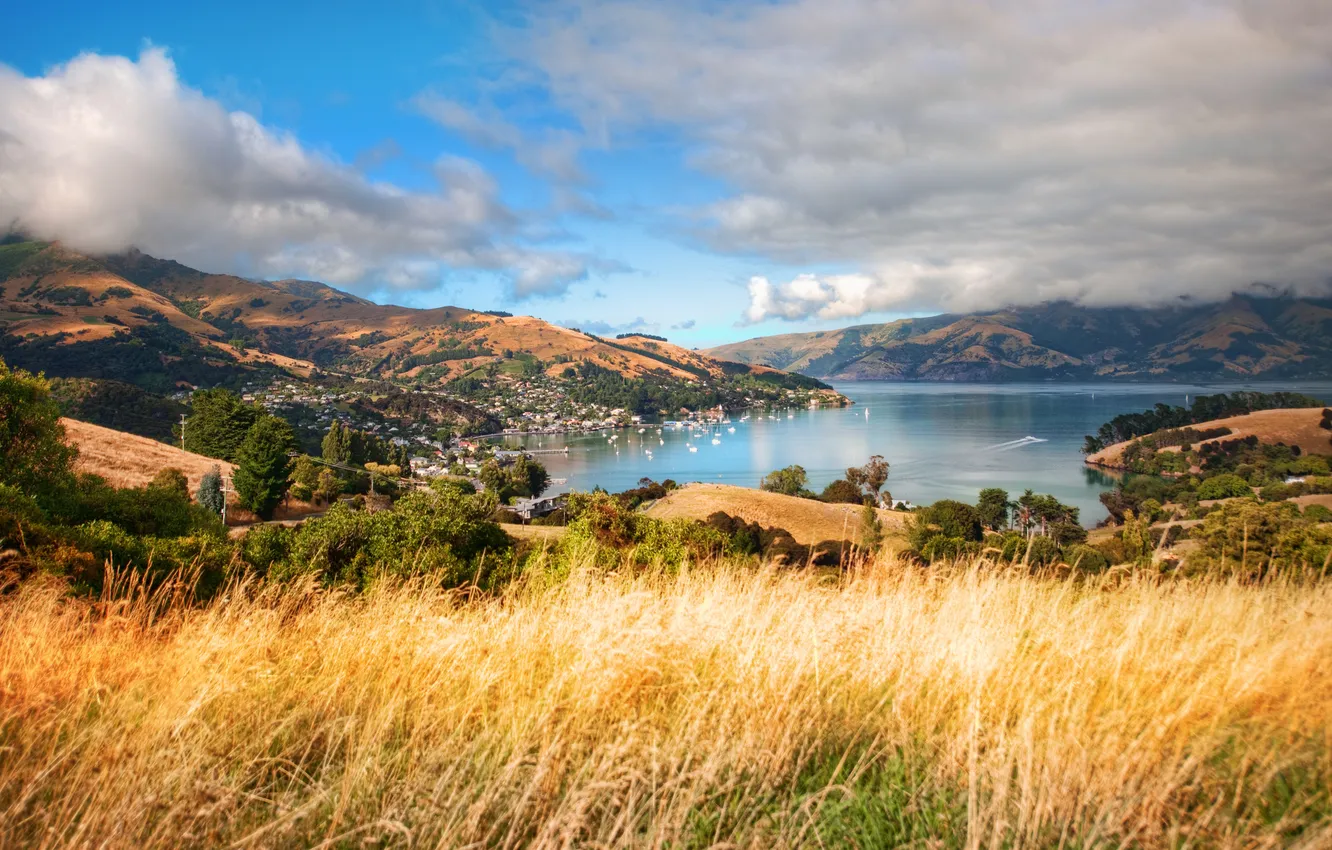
541, 506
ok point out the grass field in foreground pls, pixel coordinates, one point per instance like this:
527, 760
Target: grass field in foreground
950, 708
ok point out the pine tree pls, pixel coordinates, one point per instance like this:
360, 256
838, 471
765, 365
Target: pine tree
262, 465
210, 493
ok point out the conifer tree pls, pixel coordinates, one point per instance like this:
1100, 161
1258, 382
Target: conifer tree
263, 464
210, 493
218, 423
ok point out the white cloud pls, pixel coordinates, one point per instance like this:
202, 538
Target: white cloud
967, 155
106, 152
554, 157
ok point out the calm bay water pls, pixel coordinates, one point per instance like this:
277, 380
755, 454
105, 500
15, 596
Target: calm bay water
943, 440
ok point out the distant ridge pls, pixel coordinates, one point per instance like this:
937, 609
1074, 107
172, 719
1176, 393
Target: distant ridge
1247, 336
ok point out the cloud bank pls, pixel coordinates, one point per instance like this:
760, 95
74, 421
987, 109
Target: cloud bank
106, 153
970, 155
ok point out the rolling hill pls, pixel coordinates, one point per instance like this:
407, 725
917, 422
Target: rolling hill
159, 324
808, 521
1292, 427
1244, 337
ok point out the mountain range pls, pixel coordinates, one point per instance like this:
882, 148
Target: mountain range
160, 324
1246, 337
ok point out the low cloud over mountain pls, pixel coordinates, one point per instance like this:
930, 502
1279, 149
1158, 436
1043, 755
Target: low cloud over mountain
106, 153
968, 155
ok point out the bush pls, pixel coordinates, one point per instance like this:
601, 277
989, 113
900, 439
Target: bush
1087, 559
266, 545
946, 518
617, 532
34, 456
1225, 486
1042, 551
1255, 540
1317, 513
444, 534
1276, 492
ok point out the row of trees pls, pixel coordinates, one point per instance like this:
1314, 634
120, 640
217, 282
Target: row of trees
861, 485
349, 446
1036, 527
261, 446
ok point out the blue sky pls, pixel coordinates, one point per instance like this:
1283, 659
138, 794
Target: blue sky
701, 170
342, 80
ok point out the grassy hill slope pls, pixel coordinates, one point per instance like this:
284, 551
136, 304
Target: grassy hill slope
807, 520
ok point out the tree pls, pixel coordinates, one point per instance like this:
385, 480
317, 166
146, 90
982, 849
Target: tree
871, 477
262, 465
218, 423
993, 508
210, 493
523, 478
336, 447
789, 481
34, 456
329, 486
530, 478
304, 478
842, 491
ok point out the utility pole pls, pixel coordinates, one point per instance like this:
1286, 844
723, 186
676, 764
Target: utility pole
182, 432
226, 488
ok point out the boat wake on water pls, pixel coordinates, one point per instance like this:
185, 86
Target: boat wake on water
1016, 444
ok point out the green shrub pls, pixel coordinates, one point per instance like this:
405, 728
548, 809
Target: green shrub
447, 535
1276, 493
1317, 513
1255, 540
1087, 559
946, 518
1042, 551
1225, 486
266, 545
602, 522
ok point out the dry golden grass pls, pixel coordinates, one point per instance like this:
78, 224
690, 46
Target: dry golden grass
128, 460
952, 708
807, 520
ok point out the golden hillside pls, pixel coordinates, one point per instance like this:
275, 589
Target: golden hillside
126, 460
807, 520
69, 298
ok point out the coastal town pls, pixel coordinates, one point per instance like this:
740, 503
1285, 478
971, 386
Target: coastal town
503, 406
